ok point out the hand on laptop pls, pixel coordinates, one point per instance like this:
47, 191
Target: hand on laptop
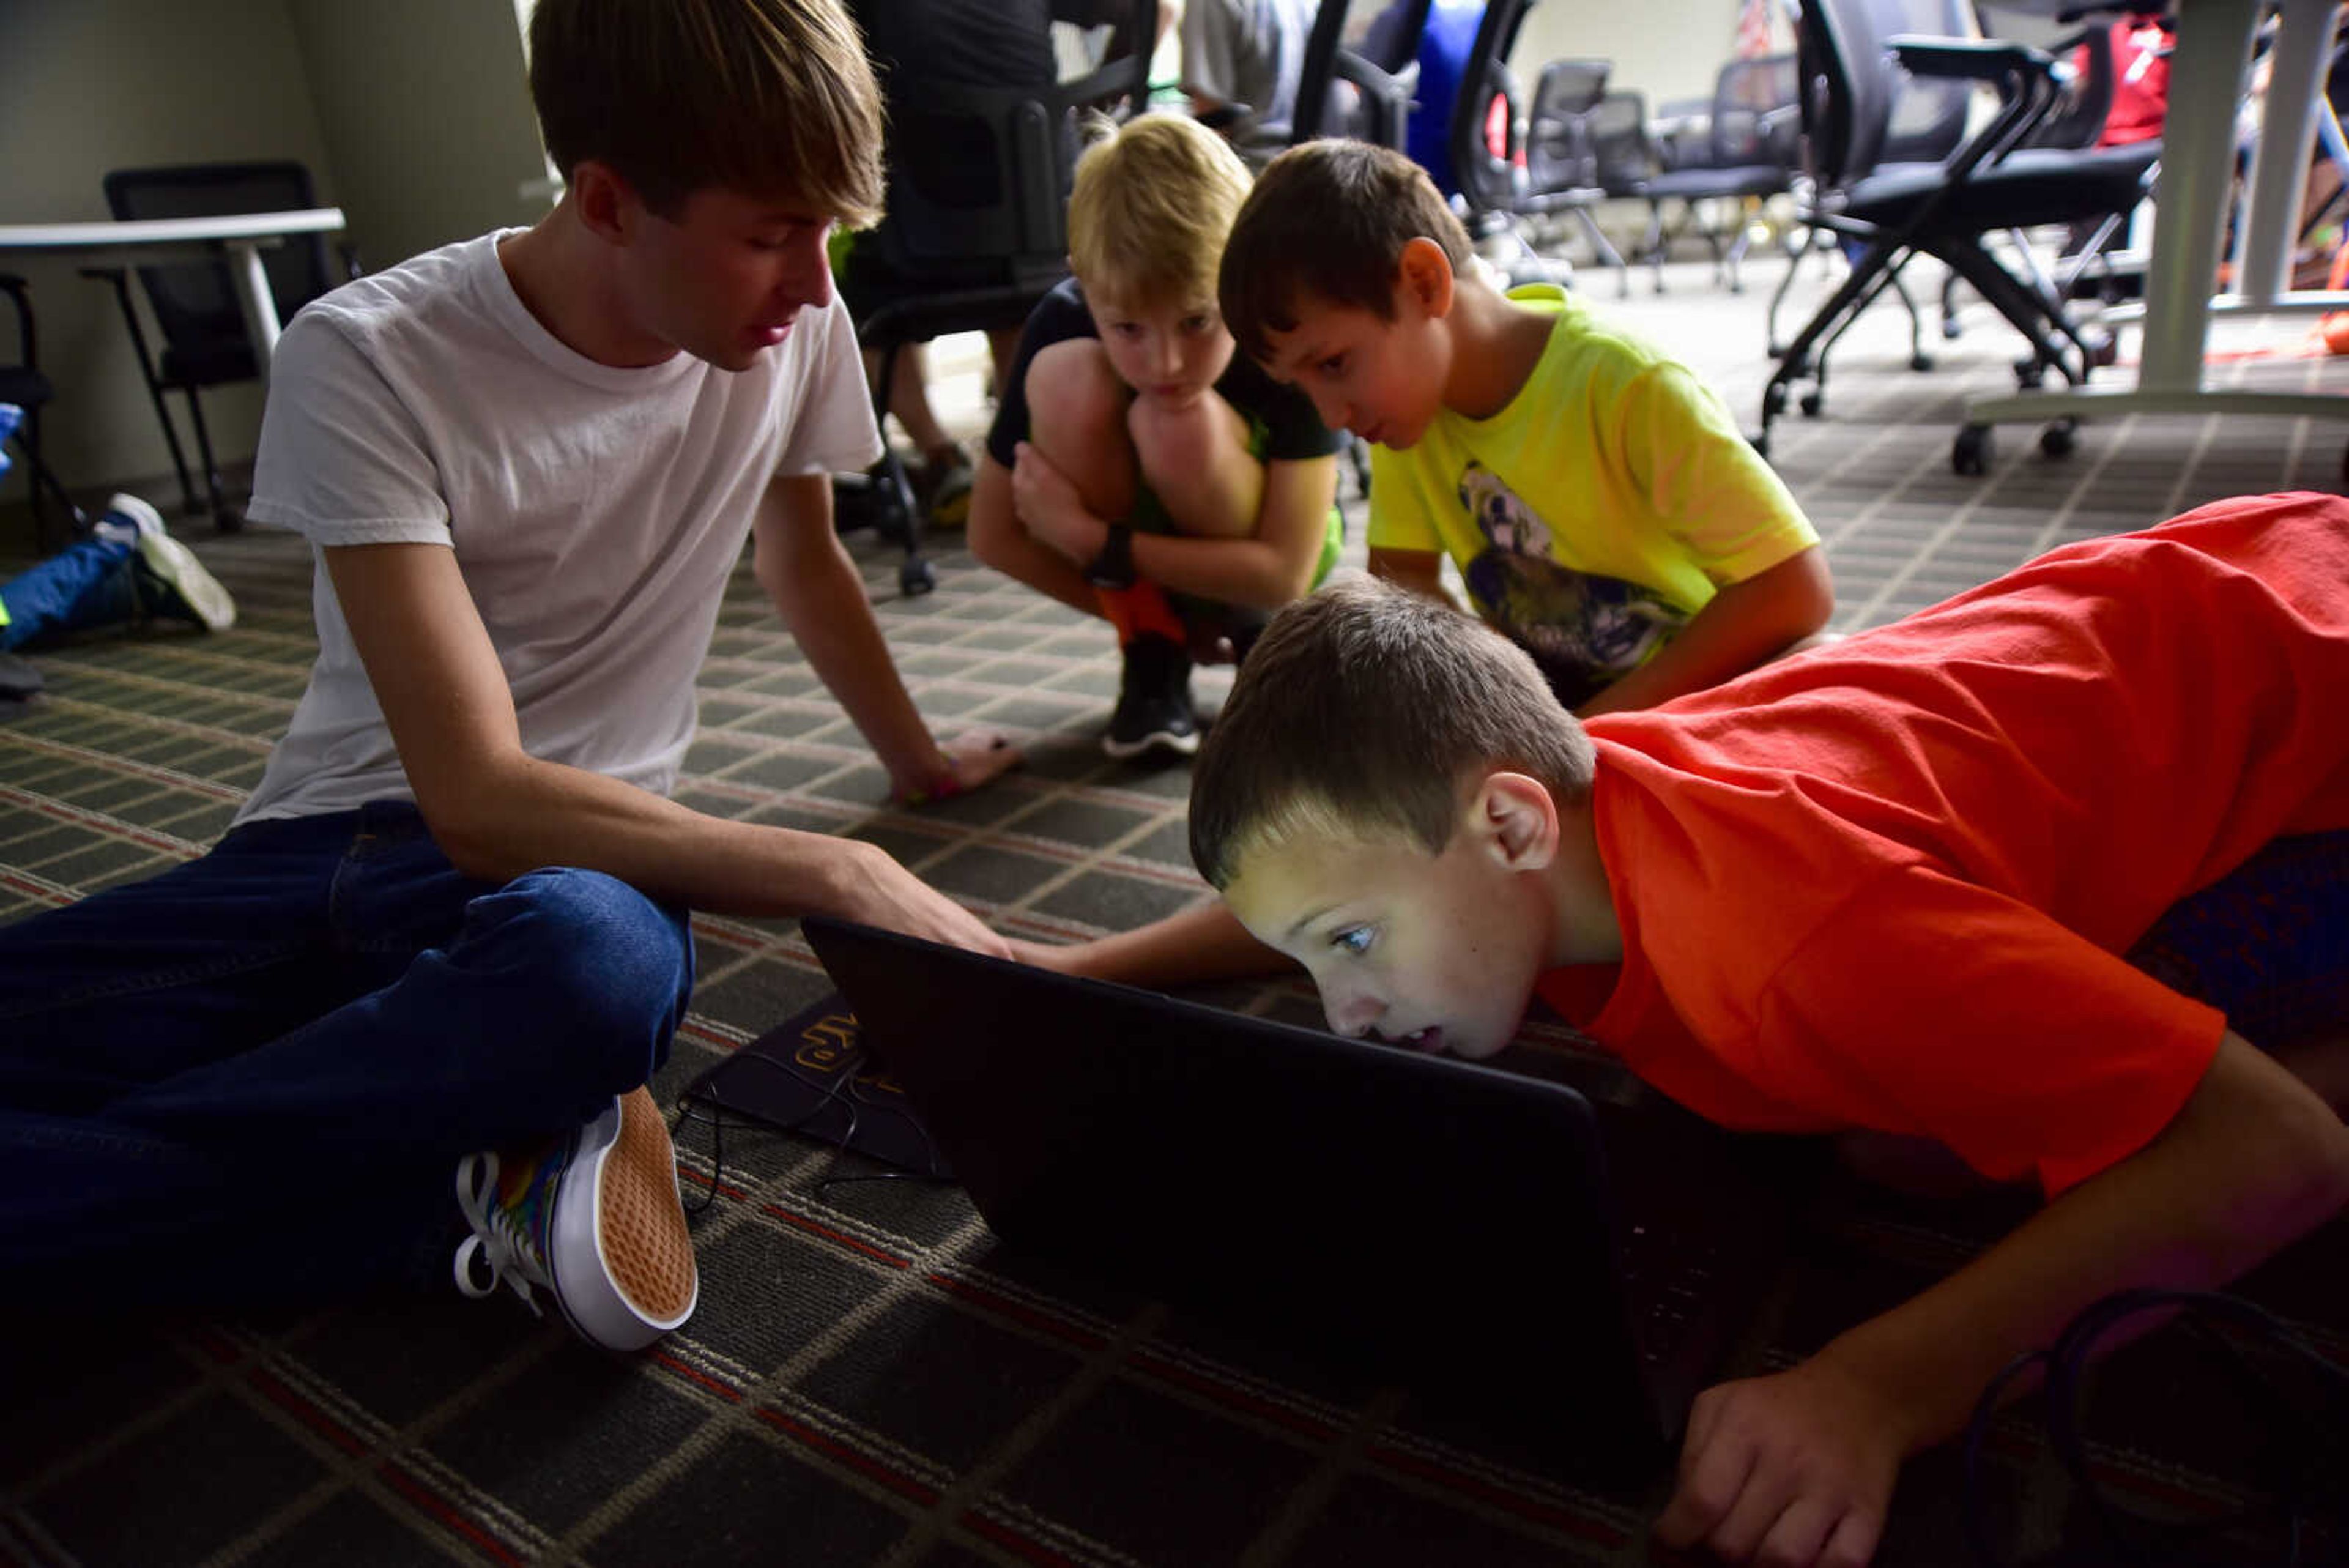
1796, 1468
895, 899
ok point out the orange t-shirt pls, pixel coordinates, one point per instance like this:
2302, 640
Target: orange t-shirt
1886, 884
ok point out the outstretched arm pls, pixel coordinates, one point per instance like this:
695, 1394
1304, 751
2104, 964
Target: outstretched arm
1193, 947
1799, 1468
798, 560
1745, 625
496, 811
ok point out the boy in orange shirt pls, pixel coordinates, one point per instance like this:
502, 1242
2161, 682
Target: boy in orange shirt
2052, 876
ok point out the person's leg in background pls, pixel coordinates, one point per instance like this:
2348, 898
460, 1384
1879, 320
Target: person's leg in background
127, 569
268, 1072
1079, 419
941, 470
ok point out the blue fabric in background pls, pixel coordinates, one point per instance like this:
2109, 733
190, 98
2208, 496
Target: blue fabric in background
1444, 50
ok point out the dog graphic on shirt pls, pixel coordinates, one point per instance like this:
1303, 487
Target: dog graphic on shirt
1585, 630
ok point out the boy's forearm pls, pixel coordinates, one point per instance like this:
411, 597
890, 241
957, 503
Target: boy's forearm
2252, 1161
1194, 946
1745, 625
1248, 572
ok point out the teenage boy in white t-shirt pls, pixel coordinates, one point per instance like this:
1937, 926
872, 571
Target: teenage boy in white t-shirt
453, 917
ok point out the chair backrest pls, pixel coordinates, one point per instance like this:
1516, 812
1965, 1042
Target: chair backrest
1557, 132
1746, 96
1488, 177
1846, 96
194, 302
1003, 193
2077, 120
1361, 70
1928, 120
1623, 153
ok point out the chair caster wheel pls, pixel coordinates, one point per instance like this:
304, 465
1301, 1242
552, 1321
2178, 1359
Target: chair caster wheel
1921, 361
1970, 453
1949, 328
2057, 440
917, 577
1812, 403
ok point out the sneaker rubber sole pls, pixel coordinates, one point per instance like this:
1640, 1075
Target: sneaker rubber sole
1157, 740
637, 1231
176, 567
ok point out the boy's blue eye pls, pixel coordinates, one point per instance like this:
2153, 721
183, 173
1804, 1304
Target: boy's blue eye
1334, 365
1353, 941
1197, 323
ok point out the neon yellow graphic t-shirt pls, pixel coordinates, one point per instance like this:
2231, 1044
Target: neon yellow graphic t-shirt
1592, 517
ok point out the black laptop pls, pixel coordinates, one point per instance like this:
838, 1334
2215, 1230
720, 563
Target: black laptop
1497, 1243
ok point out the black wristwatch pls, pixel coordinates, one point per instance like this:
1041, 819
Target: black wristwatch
1114, 568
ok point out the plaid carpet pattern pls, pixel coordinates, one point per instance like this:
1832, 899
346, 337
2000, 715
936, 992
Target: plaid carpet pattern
871, 1379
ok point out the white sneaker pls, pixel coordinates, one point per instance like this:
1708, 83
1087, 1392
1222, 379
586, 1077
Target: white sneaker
171, 581
594, 1220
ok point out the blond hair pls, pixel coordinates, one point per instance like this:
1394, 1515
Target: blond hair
771, 99
1362, 713
1153, 202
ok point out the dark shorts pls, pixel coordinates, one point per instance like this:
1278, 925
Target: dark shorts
2267, 944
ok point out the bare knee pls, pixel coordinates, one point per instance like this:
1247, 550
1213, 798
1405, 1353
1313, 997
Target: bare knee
1074, 398
1076, 419
1196, 459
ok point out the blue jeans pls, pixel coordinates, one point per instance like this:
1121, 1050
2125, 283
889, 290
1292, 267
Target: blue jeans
253, 1075
87, 583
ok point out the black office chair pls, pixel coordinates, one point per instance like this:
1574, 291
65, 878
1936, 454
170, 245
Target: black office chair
205, 343
1750, 150
1562, 158
2075, 122
1358, 81
1926, 125
1944, 210
1004, 213
1360, 72
23, 384
1494, 189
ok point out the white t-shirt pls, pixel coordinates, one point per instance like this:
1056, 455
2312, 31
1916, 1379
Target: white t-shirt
595, 512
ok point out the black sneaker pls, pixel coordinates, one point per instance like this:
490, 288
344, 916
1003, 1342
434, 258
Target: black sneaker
1154, 702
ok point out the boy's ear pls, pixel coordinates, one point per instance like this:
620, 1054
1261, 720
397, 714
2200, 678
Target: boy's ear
606, 204
1514, 821
1423, 276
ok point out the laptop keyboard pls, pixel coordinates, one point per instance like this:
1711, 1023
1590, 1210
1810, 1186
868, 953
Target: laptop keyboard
1666, 1276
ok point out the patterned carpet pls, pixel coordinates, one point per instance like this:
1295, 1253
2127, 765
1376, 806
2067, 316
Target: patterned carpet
870, 1378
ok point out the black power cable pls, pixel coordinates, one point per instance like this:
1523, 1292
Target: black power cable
2308, 1423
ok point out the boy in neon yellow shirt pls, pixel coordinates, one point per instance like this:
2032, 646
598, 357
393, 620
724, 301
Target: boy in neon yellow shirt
1601, 506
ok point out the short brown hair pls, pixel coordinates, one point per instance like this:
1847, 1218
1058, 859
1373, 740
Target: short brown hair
767, 97
1152, 203
1362, 711
1329, 220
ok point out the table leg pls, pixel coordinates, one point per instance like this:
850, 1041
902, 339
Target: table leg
2267, 234
253, 296
2198, 146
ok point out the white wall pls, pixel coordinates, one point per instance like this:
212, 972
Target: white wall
1665, 49
87, 86
413, 115
425, 109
